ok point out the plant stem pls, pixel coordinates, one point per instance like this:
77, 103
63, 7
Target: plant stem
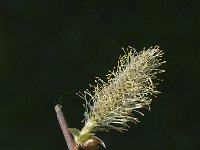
64, 126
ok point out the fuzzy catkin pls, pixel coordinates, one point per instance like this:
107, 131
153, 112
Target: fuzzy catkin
129, 87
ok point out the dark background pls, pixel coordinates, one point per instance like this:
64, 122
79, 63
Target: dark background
50, 49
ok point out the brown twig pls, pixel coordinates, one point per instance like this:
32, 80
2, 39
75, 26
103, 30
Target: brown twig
63, 124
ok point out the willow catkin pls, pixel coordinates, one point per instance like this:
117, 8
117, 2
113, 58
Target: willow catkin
129, 87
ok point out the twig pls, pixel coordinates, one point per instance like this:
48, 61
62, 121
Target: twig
63, 124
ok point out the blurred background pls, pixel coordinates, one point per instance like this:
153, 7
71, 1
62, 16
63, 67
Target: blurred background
49, 50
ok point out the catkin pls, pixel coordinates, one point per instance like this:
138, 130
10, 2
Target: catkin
129, 87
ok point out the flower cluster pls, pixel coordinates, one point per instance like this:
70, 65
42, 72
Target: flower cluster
129, 87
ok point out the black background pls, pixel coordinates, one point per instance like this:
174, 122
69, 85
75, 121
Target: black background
52, 49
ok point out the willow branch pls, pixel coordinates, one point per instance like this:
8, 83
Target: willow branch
64, 126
